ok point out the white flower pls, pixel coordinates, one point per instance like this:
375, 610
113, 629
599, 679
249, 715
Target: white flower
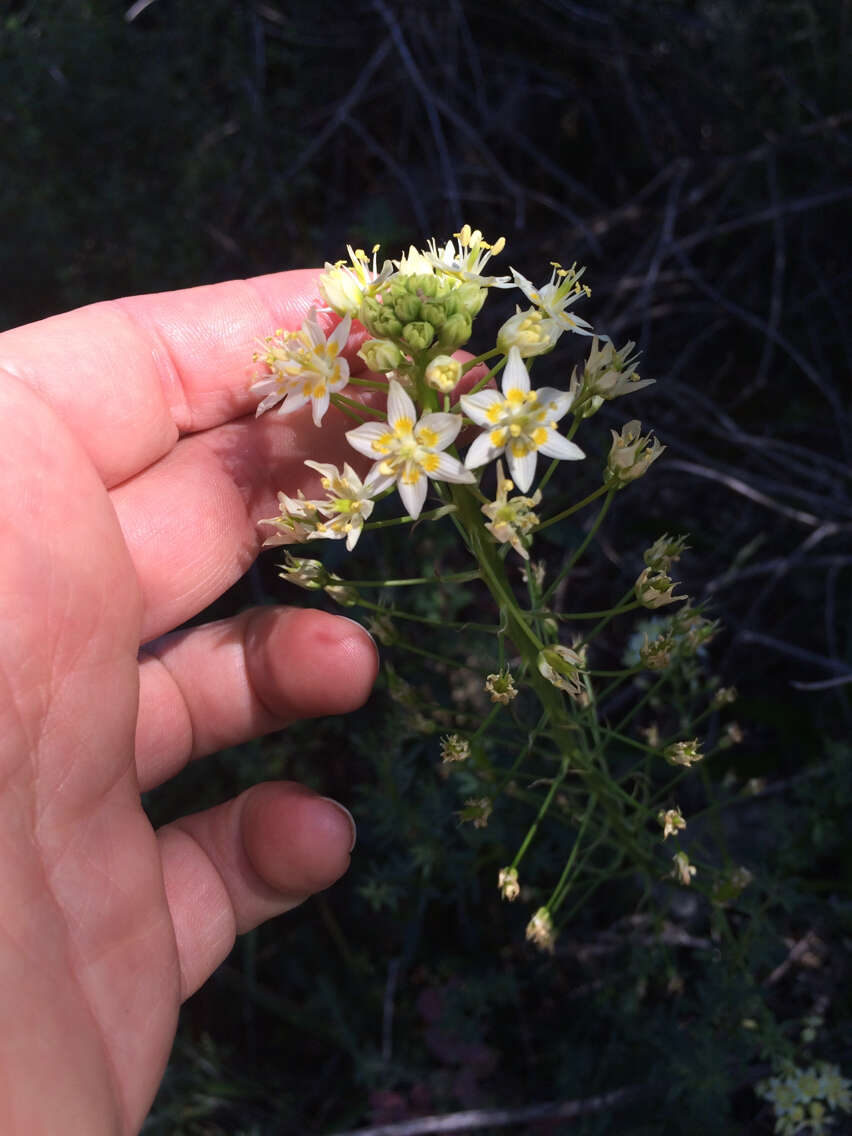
511, 521
559, 293
343, 286
349, 503
409, 451
341, 515
306, 366
520, 422
465, 260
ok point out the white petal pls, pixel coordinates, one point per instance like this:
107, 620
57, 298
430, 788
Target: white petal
399, 404
558, 402
329, 471
413, 495
557, 446
312, 327
270, 400
362, 437
354, 533
526, 286
450, 469
476, 406
376, 483
446, 426
522, 469
341, 333
293, 401
515, 374
481, 452
320, 407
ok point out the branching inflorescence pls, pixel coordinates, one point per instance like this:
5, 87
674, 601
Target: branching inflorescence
444, 421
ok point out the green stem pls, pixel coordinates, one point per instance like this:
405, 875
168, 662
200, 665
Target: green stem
542, 812
561, 889
574, 508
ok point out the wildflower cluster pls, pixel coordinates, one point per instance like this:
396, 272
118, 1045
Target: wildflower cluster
482, 439
804, 1100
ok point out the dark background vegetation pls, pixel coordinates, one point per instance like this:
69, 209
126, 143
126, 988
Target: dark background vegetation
696, 157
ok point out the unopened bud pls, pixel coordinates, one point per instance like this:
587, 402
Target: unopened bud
443, 373
418, 335
456, 331
530, 331
380, 355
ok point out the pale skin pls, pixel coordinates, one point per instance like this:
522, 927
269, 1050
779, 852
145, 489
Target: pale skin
133, 474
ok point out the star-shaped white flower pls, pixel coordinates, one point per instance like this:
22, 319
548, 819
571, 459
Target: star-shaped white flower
408, 451
520, 423
306, 365
559, 293
466, 259
348, 504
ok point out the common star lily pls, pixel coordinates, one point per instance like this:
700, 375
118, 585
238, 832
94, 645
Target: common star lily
408, 451
306, 365
520, 423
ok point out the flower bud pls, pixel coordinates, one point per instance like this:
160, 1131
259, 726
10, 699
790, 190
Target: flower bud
530, 331
406, 307
380, 355
443, 373
418, 335
456, 331
436, 314
471, 297
379, 320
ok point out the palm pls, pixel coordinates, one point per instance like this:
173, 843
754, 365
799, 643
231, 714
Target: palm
116, 530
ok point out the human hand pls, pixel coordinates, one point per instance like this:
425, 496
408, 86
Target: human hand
133, 473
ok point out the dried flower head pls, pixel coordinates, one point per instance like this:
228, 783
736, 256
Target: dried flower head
478, 810
671, 821
682, 870
507, 882
501, 686
454, 748
630, 455
540, 930
683, 753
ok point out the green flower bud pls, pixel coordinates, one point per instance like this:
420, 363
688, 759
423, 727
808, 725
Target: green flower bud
456, 331
471, 298
418, 335
436, 315
425, 286
381, 355
407, 308
380, 320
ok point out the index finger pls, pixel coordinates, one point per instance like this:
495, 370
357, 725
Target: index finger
130, 376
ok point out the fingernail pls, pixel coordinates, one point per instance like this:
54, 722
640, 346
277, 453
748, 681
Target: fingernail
349, 817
